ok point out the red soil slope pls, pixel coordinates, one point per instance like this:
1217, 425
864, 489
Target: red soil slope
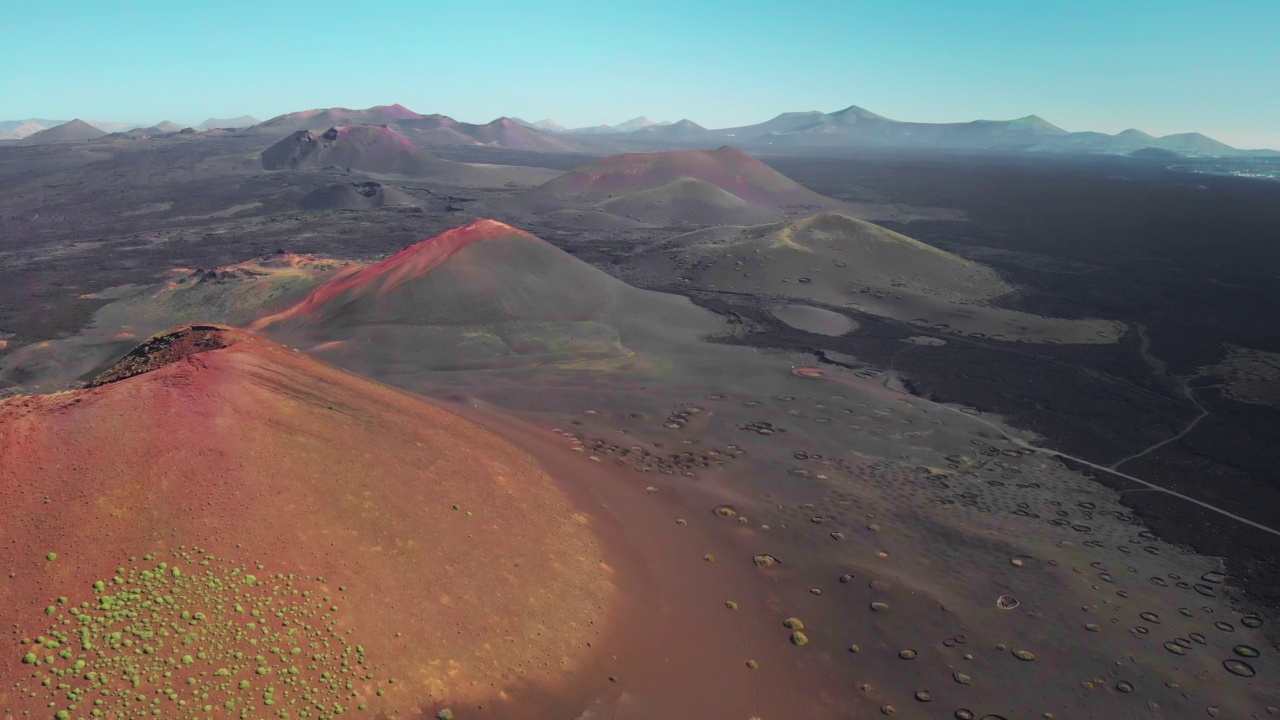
413, 559
728, 168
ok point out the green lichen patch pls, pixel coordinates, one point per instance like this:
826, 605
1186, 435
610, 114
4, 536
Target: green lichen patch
195, 636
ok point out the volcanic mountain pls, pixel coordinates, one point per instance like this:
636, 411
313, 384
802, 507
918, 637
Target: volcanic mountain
322, 118
235, 123
314, 537
502, 133
381, 150
683, 131
167, 127
354, 196
548, 125
630, 126
372, 148
74, 131
685, 186
507, 133
638, 123
838, 260
481, 295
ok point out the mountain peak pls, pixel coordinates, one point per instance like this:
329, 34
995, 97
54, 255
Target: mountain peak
397, 110
636, 123
1037, 124
410, 263
76, 130
855, 111
549, 124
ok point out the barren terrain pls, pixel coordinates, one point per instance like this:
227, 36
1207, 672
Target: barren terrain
581, 458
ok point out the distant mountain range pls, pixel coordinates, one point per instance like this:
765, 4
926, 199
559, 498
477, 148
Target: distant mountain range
802, 132
22, 129
855, 127
434, 129
850, 128
632, 125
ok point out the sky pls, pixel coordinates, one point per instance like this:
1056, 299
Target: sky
1162, 67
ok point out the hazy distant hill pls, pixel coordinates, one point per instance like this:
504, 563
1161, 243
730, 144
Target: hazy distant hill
638, 124
238, 123
20, 130
547, 125
682, 131
110, 127
7, 125
166, 127
503, 132
632, 125
74, 131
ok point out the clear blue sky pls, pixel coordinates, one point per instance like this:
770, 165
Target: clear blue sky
1161, 66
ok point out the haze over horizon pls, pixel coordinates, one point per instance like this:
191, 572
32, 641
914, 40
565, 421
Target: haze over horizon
1082, 66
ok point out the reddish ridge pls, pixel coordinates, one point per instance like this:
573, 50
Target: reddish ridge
412, 262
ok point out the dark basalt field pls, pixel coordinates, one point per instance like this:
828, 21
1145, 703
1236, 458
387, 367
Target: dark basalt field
1191, 260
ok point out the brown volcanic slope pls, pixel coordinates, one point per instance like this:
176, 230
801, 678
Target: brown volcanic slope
696, 186
840, 260
383, 151
74, 131
223, 515
485, 294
